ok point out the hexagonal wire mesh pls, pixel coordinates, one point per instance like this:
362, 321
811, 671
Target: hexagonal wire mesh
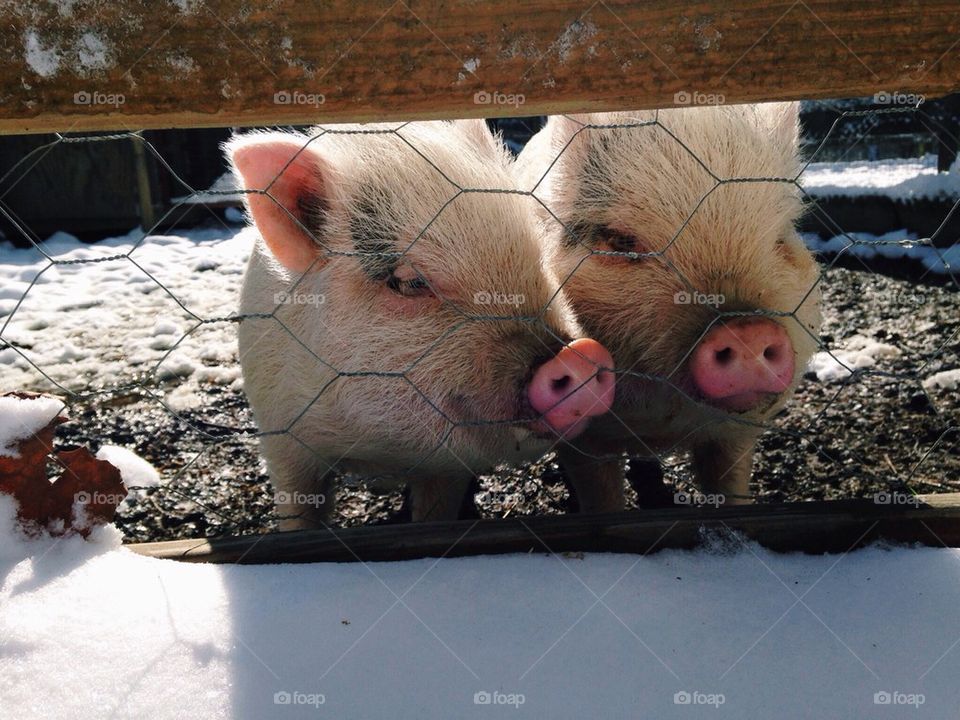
136, 333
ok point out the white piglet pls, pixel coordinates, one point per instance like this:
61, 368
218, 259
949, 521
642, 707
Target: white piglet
676, 234
395, 326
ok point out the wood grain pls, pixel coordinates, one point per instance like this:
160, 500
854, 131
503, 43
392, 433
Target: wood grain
812, 527
197, 63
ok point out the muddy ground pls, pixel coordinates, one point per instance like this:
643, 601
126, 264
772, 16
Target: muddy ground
875, 432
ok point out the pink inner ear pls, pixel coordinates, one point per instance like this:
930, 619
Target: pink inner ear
290, 174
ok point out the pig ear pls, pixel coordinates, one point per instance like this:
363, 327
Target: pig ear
784, 122
294, 176
564, 138
478, 133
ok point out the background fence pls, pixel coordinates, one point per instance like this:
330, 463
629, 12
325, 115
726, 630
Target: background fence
137, 332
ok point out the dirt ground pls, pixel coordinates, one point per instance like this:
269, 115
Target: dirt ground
877, 431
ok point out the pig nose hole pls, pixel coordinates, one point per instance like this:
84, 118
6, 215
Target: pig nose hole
724, 356
560, 384
771, 353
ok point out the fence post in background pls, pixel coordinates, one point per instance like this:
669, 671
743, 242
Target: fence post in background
148, 216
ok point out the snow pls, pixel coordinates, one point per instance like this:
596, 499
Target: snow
575, 34
92, 52
897, 178
945, 380
122, 309
860, 352
223, 190
43, 61
91, 630
134, 470
894, 245
24, 418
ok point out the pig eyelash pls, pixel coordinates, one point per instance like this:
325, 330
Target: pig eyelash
414, 287
618, 241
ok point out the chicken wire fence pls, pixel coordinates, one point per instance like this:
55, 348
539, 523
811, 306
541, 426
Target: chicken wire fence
138, 335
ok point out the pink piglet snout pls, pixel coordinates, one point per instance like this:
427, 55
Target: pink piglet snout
741, 364
570, 388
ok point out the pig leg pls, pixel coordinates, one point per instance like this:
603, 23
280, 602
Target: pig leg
303, 483
724, 467
438, 498
596, 482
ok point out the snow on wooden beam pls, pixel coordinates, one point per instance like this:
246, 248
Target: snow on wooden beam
95, 65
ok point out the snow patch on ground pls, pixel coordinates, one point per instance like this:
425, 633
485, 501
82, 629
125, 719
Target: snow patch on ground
16, 547
134, 470
897, 178
861, 352
20, 419
93, 631
225, 189
123, 315
894, 245
945, 380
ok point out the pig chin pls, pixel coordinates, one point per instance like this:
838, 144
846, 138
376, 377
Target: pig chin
503, 422
511, 429
754, 403
680, 391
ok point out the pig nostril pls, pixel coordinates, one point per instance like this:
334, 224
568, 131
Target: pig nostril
771, 354
560, 384
724, 356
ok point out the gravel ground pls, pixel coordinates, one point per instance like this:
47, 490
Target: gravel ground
877, 431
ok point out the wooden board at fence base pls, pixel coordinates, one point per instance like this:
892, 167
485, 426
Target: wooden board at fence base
98, 65
814, 527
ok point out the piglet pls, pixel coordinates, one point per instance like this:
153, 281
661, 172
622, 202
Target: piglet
398, 319
674, 234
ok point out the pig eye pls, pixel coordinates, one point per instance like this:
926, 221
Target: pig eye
787, 250
617, 241
411, 287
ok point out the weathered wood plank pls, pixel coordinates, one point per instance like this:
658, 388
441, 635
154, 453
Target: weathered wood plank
94, 64
814, 527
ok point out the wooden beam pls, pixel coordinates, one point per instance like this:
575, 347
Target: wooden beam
813, 527
89, 65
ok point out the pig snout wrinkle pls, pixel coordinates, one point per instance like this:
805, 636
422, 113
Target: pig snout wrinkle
569, 389
741, 364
